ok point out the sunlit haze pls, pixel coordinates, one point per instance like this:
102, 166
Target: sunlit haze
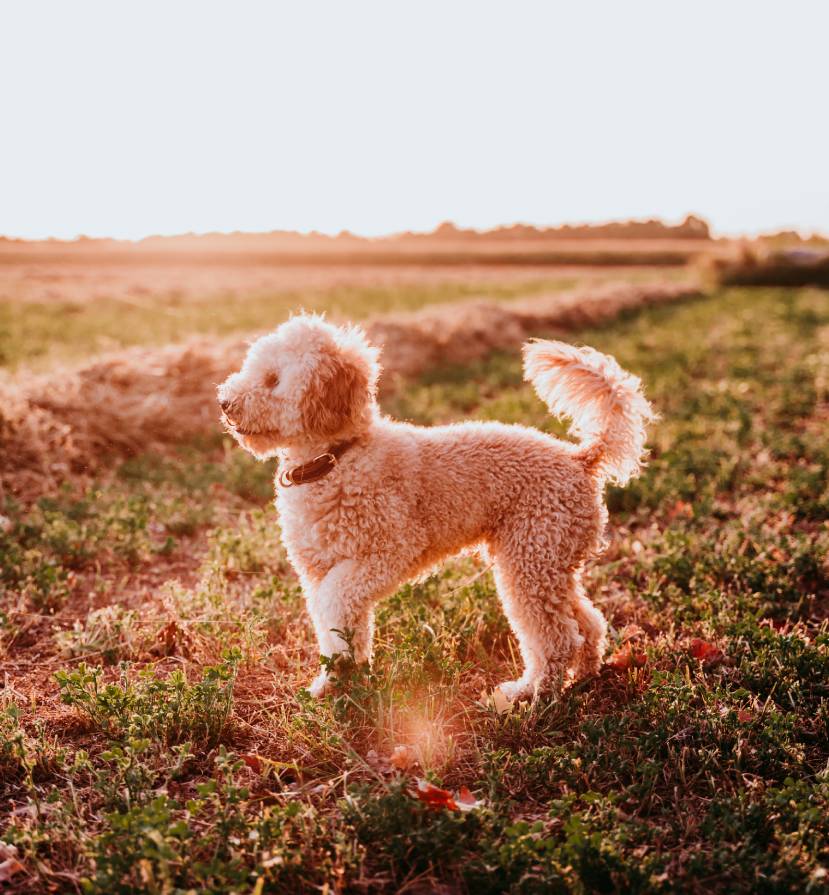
127, 119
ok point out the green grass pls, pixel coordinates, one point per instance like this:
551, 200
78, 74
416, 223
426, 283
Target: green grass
34, 333
192, 760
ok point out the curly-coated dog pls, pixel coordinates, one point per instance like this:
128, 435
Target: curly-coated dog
367, 502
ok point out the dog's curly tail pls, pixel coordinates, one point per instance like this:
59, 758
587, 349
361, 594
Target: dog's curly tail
606, 404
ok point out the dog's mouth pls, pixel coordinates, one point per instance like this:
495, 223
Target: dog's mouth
232, 423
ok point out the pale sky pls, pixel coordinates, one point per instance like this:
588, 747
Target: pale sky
123, 118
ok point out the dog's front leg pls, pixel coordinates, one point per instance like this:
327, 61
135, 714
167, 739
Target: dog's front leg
343, 603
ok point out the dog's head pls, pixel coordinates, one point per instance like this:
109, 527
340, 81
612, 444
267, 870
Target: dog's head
306, 383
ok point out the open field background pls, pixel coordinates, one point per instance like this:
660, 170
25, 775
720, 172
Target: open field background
67, 418
57, 310
153, 731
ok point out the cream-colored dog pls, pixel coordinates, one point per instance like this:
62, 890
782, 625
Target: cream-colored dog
367, 503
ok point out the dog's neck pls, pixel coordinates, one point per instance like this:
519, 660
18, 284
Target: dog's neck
299, 454
304, 451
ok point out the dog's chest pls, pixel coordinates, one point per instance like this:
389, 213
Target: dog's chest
324, 522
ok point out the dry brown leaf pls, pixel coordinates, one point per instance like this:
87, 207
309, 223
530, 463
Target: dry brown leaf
173, 640
9, 865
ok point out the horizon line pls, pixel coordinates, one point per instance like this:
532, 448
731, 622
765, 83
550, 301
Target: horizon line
803, 232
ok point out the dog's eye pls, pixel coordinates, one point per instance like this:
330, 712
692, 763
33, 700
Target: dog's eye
270, 380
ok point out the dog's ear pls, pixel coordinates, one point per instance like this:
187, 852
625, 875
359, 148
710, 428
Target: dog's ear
343, 382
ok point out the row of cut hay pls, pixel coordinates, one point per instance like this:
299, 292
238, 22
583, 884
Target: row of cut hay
466, 331
69, 424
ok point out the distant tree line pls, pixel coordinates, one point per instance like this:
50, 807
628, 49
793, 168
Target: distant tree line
692, 227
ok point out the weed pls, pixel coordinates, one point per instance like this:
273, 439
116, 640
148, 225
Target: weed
170, 710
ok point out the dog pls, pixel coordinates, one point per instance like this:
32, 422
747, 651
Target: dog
367, 503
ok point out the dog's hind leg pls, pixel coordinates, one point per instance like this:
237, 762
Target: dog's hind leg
342, 605
593, 628
537, 569
539, 609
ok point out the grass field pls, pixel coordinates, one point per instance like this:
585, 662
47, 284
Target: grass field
154, 736
61, 312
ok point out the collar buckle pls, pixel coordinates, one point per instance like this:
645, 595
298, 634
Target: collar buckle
314, 469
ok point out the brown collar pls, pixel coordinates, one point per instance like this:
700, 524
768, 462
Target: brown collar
314, 469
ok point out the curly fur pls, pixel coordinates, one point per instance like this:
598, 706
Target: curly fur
404, 497
605, 403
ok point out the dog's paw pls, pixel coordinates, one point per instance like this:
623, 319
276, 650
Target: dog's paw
320, 685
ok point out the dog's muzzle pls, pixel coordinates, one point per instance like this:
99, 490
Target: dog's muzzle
227, 408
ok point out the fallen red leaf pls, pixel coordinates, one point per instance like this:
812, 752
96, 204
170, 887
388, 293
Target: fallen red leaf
254, 762
745, 716
701, 649
707, 652
626, 658
436, 799
681, 508
465, 800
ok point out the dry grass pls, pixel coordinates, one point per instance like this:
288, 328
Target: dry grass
68, 423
